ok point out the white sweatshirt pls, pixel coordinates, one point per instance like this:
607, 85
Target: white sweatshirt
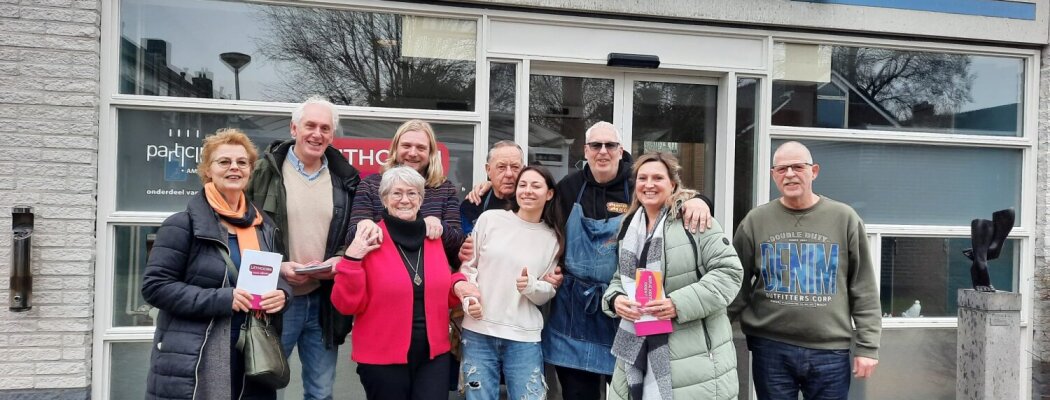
503, 245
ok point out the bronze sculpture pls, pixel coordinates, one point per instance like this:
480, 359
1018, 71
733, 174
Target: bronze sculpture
987, 239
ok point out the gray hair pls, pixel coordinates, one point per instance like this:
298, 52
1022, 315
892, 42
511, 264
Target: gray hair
402, 174
602, 125
297, 115
505, 143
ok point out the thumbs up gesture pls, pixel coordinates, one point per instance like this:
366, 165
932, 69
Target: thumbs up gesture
523, 280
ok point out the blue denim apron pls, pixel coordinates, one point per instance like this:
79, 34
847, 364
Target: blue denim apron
577, 334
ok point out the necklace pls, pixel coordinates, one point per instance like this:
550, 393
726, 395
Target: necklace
415, 268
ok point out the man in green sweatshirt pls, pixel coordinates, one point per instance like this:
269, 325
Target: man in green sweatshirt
809, 291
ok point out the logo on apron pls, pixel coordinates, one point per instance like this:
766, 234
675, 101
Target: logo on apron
615, 207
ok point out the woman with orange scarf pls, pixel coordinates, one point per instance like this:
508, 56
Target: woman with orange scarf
187, 279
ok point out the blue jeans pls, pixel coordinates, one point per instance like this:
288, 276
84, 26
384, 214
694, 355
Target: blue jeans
485, 356
302, 326
781, 370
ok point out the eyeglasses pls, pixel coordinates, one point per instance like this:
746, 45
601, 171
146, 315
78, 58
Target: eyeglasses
225, 163
597, 146
397, 196
797, 167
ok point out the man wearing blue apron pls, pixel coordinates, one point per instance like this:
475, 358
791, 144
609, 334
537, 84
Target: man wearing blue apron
577, 337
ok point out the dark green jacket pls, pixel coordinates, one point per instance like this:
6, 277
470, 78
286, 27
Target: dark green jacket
266, 191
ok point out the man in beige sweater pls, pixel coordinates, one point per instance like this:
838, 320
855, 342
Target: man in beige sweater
307, 187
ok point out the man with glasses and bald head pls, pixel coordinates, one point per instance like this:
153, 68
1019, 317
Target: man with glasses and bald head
809, 293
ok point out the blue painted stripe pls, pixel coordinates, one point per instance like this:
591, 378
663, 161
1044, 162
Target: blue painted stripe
985, 8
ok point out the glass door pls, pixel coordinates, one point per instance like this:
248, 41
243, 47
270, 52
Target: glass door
678, 116
653, 112
561, 108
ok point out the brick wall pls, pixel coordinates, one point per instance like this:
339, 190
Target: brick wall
49, 88
1041, 297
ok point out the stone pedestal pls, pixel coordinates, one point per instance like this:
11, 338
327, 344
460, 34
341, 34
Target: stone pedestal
989, 346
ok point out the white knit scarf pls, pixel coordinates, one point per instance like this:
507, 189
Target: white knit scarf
647, 359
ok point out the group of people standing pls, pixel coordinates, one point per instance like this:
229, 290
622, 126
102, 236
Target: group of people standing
405, 250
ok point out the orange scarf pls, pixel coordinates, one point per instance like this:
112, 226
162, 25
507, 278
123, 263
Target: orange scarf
246, 236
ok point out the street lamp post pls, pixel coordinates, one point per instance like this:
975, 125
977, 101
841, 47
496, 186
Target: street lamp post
236, 61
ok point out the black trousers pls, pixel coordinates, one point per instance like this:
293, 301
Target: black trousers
578, 384
413, 381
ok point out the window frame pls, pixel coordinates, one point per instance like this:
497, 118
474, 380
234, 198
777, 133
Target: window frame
1026, 142
111, 101
104, 335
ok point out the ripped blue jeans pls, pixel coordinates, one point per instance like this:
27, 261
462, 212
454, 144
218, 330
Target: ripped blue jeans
521, 363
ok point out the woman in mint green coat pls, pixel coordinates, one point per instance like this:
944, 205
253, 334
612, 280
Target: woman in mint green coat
700, 274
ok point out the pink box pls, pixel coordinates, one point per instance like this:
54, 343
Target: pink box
649, 287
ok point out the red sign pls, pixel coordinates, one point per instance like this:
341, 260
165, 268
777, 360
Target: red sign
368, 155
260, 270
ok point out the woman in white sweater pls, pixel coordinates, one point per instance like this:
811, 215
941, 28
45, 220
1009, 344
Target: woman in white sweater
513, 249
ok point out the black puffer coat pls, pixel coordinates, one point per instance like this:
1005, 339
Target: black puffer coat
186, 279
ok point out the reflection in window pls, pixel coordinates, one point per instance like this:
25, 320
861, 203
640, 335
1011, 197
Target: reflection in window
502, 85
747, 101
158, 151
288, 53
131, 245
885, 89
914, 363
459, 139
916, 184
678, 118
561, 108
922, 276
129, 365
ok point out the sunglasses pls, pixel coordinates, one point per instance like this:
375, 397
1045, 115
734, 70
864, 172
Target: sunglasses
597, 146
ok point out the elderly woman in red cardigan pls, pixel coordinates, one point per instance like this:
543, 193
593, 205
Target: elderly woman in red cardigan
400, 290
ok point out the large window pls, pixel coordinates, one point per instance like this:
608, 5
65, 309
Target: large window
502, 101
914, 363
253, 61
679, 118
917, 185
131, 246
561, 108
921, 276
827, 86
158, 151
936, 138
744, 177
229, 50
456, 139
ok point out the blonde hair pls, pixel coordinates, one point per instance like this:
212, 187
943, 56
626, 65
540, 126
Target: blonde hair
232, 136
674, 172
435, 174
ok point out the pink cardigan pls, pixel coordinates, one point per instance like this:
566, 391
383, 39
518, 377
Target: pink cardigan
378, 292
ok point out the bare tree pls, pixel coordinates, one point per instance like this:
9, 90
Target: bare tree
903, 82
357, 58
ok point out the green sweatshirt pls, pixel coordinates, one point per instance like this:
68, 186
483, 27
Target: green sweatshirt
806, 274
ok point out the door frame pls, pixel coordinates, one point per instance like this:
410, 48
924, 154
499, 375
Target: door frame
623, 100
